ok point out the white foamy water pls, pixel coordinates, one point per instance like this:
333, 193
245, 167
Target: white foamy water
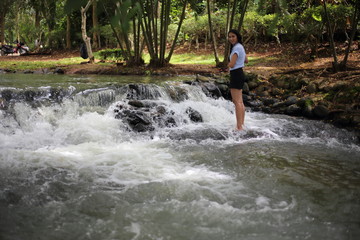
73, 167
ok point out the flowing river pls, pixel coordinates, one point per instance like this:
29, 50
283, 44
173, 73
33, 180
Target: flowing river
73, 167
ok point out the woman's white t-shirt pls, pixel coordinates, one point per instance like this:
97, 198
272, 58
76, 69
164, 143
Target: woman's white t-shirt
240, 51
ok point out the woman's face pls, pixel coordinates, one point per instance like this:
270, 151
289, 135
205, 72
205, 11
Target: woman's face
232, 38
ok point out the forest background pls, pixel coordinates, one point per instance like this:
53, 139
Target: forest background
152, 29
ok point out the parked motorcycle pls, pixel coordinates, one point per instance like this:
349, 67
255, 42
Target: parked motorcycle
20, 48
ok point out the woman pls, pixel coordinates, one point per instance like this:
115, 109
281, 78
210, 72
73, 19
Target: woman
237, 59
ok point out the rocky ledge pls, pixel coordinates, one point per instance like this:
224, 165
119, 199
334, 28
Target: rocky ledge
336, 102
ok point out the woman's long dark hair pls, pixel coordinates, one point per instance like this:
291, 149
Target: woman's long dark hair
239, 38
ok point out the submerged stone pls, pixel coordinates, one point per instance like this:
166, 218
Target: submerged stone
194, 115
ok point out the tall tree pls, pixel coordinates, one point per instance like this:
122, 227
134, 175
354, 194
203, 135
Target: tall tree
95, 20
231, 11
182, 17
212, 33
355, 22
84, 33
68, 31
127, 12
331, 36
155, 22
5, 6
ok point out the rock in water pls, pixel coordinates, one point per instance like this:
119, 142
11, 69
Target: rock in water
194, 115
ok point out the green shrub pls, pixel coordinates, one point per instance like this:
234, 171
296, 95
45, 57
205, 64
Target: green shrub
111, 54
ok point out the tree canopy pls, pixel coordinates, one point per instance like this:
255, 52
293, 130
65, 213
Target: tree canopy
158, 26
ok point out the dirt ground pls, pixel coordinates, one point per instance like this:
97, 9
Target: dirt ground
268, 59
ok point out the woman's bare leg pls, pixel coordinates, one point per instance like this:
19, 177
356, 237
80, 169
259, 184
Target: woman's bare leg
236, 95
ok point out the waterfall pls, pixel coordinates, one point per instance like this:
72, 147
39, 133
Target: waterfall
162, 161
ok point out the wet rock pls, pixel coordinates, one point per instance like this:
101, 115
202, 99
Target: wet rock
7, 94
28, 72
141, 92
291, 100
59, 71
260, 91
9, 70
136, 103
222, 80
201, 78
194, 115
255, 103
246, 99
355, 119
251, 77
138, 121
225, 91
276, 91
161, 110
320, 111
57, 94
293, 110
307, 111
267, 109
311, 88
279, 104
46, 70
269, 101
211, 90
2, 104
29, 95
252, 85
246, 88
170, 122
189, 82
198, 135
177, 94
340, 119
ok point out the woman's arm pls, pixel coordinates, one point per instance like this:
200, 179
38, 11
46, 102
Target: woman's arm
246, 59
233, 60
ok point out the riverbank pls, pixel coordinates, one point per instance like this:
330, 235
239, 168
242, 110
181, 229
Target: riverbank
281, 80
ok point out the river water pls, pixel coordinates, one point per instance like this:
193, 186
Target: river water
69, 169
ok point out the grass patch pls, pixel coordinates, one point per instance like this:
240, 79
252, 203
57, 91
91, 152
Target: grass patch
194, 58
38, 64
188, 58
185, 58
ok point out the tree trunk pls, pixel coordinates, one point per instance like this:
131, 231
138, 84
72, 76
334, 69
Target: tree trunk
352, 35
230, 19
331, 38
37, 19
68, 34
243, 11
2, 27
177, 31
96, 37
212, 34
83, 31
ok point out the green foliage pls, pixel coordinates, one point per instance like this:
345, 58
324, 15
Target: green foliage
125, 11
108, 36
71, 5
111, 54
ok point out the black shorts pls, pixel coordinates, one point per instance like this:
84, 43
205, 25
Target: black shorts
237, 78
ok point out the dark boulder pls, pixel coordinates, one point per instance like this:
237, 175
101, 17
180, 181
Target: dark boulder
194, 115
136, 103
291, 100
321, 111
211, 90
293, 110
138, 121
7, 94
59, 71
